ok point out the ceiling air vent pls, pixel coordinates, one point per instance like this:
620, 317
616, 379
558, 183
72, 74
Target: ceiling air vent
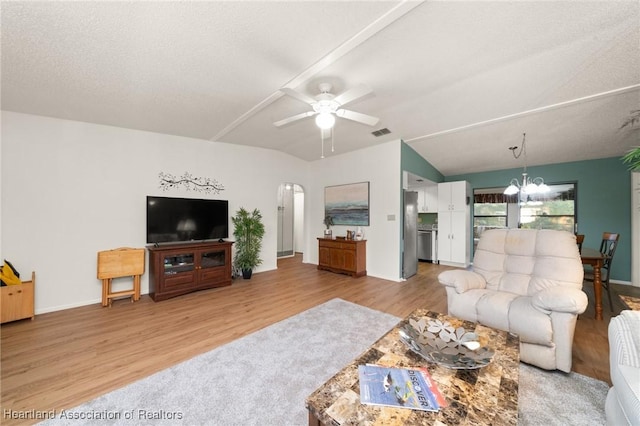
381, 132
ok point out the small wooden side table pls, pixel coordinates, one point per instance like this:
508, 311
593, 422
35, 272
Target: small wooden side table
117, 263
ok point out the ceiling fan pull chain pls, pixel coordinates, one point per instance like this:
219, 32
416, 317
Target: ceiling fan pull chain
322, 140
332, 130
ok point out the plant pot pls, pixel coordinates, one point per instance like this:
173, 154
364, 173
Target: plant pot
327, 233
246, 273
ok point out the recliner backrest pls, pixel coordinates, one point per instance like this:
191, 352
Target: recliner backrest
525, 261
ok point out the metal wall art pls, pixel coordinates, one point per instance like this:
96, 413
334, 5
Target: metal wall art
190, 183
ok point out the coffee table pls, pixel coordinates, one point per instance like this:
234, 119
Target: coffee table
488, 395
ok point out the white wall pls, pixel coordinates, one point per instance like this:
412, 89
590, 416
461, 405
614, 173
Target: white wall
298, 221
380, 166
70, 189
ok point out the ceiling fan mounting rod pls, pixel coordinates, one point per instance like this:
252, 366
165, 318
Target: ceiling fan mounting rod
325, 88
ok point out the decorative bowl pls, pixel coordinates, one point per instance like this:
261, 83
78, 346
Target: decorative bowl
439, 342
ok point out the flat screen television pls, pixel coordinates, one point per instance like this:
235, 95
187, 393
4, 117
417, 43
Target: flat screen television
186, 219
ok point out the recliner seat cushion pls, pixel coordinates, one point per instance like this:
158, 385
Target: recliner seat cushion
493, 309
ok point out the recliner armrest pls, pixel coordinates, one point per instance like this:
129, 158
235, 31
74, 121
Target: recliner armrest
625, 382
462, 280
560, 299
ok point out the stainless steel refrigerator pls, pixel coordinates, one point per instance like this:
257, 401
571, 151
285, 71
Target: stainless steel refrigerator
410, 235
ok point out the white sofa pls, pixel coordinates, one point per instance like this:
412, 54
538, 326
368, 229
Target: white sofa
528, 282
623, 400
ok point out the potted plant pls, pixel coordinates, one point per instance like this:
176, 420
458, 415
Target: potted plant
328, 222
248, 233
632, 157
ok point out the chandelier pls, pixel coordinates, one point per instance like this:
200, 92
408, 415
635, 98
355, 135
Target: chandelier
528, 186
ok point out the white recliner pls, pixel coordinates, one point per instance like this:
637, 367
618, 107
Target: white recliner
623, 400
528, 282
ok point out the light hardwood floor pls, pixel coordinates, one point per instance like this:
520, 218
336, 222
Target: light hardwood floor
65, 358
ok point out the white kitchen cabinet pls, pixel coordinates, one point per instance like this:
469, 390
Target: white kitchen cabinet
453, 196
454, 223
428, 199
431, 199
421, 200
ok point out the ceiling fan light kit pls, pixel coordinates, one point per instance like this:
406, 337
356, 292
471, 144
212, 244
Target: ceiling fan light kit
325, 120
327, 106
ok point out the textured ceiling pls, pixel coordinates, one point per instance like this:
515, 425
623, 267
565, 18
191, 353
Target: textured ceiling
459, 81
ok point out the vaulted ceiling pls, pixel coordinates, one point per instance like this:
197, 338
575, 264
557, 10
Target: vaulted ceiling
460, 82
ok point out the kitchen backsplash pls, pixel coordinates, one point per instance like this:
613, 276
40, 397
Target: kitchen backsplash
427, 218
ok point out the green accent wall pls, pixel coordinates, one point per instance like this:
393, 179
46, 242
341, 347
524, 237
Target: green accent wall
412, 162
604, 200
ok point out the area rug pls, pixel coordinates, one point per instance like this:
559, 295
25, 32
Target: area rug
557, 398
265, 377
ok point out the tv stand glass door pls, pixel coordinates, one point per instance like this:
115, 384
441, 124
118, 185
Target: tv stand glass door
184, 262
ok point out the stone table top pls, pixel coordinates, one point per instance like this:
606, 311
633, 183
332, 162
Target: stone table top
488, 395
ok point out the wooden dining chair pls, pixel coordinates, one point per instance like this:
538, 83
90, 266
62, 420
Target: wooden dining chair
579, 241
608, 249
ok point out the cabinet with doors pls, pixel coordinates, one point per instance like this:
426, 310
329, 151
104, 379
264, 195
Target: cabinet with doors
16, 301
179, 269
454, 223
343, 256
428, 199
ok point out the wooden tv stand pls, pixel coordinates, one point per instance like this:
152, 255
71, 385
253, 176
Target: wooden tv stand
178, 269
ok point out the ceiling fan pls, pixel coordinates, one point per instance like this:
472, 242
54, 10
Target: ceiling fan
326, 106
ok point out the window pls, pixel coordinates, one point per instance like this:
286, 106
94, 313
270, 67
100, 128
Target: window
555, 209
489, 211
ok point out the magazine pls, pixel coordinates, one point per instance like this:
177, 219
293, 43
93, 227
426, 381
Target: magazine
399, 387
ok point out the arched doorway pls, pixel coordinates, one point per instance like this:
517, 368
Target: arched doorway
290, 219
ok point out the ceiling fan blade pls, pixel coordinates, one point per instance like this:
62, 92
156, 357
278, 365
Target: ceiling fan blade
294, 118
359, 117
353, 94
299, 96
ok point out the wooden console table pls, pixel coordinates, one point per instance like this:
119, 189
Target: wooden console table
343, 256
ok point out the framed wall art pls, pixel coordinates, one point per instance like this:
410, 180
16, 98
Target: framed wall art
347, 204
